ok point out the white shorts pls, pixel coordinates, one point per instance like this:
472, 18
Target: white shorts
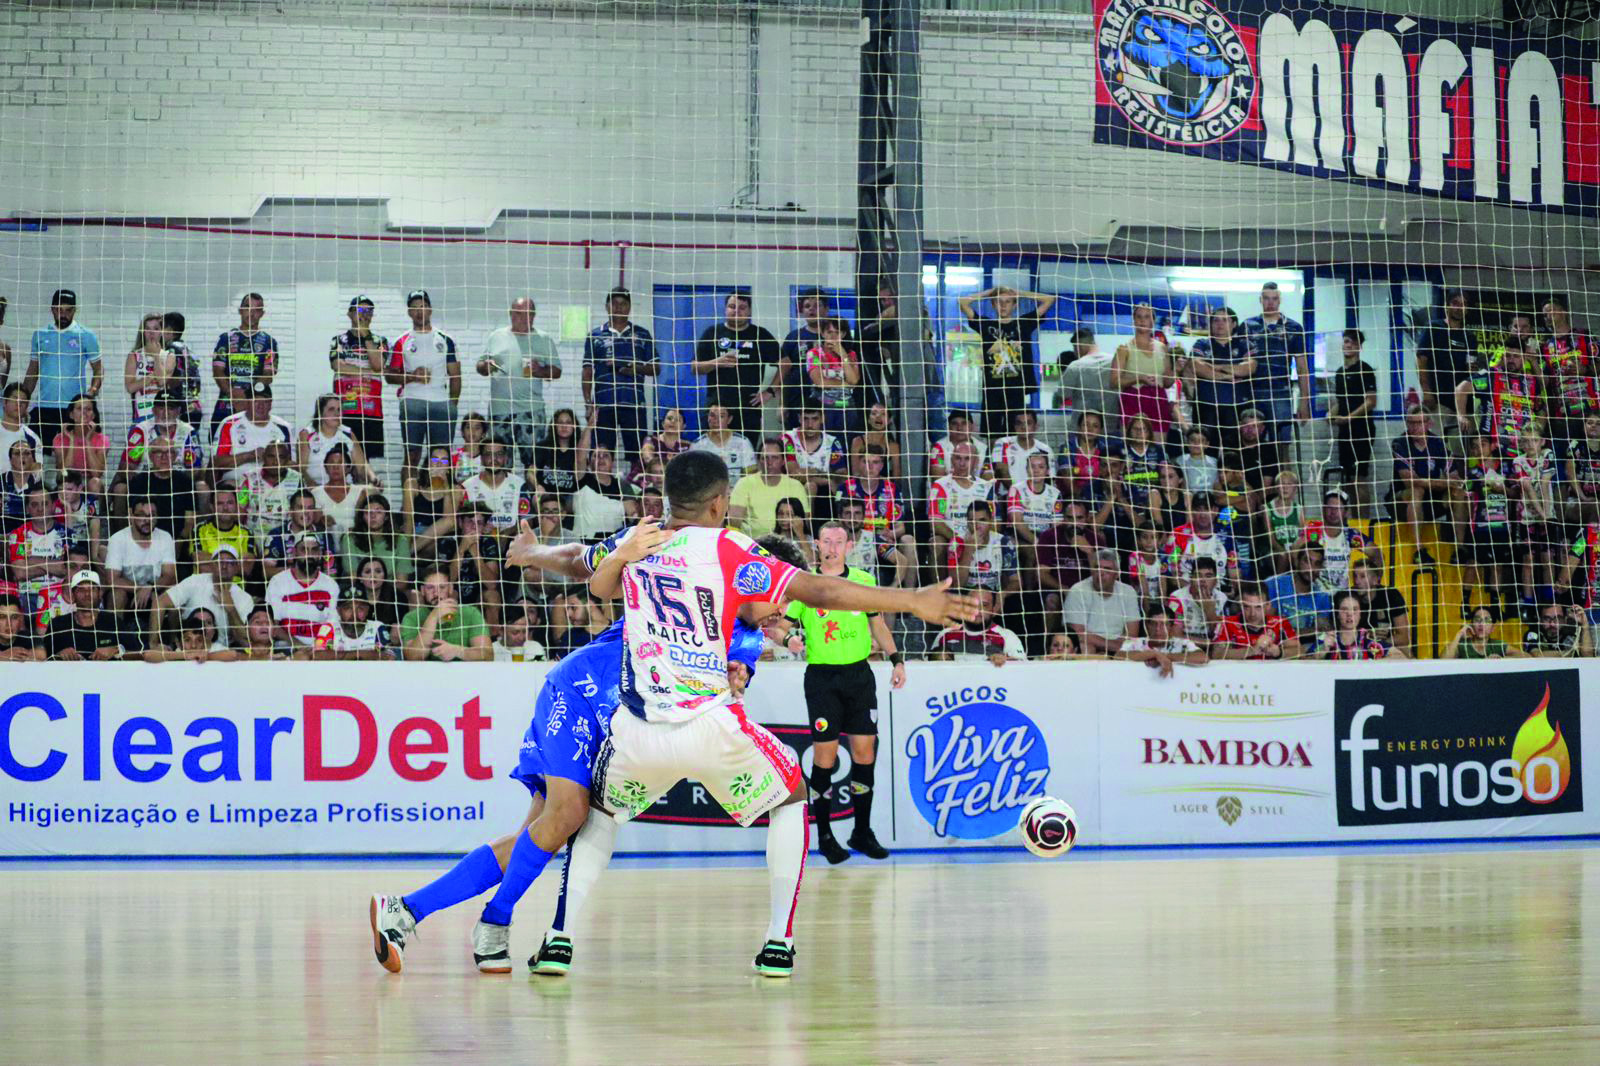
748, 769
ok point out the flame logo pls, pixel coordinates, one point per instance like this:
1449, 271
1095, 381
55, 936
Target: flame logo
1538, 738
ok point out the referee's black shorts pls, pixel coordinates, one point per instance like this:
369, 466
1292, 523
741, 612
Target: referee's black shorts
841, 699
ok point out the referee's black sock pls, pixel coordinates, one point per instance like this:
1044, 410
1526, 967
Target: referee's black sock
861, 777
821, 802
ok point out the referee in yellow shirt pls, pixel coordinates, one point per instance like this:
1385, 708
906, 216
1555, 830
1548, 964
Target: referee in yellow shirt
842, 696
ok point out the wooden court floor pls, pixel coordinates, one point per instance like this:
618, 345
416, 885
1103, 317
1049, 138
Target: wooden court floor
1432, 956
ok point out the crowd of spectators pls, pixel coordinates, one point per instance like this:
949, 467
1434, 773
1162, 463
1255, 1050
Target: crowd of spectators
1168, 524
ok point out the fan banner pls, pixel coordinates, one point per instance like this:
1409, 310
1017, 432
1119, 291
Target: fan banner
1475, 112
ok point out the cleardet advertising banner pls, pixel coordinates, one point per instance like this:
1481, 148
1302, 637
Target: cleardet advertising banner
1470, 111
323, 758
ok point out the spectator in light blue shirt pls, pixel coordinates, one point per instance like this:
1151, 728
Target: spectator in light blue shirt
1297, 594
57, 363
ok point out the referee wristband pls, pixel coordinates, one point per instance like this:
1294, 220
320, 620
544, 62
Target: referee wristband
897, 659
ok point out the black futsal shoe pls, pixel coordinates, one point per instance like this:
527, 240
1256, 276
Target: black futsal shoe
867, 844
831, 849
776, 959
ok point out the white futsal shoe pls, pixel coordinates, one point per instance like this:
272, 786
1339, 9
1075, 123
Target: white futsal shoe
391, 925
491, 947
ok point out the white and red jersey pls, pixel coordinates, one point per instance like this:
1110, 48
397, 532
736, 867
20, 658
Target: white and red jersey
1037, 510
238, 434
1185, 545
679, 606
505, 500
1010, 457
939, 455
949, 499
430, 350
302, 609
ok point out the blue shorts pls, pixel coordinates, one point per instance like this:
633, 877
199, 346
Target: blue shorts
562, 740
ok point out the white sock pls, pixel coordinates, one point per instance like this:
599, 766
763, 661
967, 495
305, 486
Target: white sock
587, 855
788, 840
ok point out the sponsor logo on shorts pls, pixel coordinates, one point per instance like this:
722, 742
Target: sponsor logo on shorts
745, 790
752, 579
820, 725
976, 763
627, 796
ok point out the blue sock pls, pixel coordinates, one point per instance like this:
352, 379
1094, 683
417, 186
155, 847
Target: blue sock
527, 863
477, 870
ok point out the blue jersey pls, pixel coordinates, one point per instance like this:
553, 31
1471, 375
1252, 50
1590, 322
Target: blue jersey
572, 713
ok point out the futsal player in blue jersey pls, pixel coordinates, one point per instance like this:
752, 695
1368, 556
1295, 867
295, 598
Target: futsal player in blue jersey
555, 762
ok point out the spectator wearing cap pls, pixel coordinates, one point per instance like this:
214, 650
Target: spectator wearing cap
149, 365
304, 598
245, 436
64, 362
16, 635
359, 635
172, 490
243, 357
141, 560
442, 629
357, 357
87, 632
14, 425
518, 359
423, 364
213, 588
617, 356
1100, 611
736, 356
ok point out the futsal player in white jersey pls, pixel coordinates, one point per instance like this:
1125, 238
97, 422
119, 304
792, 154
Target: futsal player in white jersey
679, 717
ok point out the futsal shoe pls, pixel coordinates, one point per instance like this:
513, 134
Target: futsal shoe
491, 947
553, 959
776, 959
831, 849
391, 925
867, 844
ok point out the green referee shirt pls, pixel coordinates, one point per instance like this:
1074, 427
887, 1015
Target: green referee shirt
836, 638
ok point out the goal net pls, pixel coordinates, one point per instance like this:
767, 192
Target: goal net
1261, 327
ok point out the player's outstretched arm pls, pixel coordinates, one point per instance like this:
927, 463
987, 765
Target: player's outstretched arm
564, 559
640, 543
934, 604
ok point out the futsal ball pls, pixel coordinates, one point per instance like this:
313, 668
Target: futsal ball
1049, 827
